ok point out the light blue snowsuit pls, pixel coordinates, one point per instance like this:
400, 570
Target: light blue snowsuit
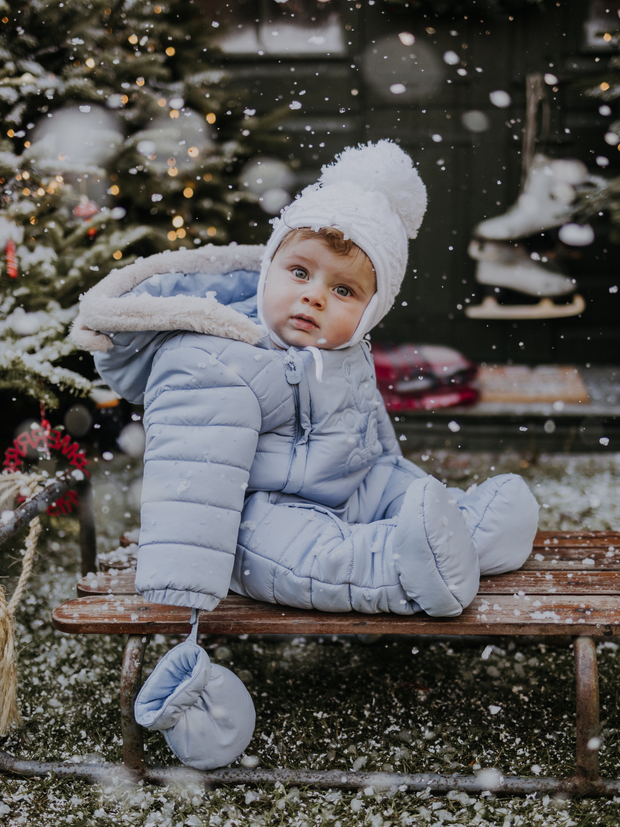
260, 478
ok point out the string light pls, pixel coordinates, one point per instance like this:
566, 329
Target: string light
117, 255
177, 221
172, 235
173, 171
604, 86
170, 51
174, 113
90, 63
181, 233
161, 102
188, 192
140, 81
211, 231
193, 151
133, 39
210, 117
114, 189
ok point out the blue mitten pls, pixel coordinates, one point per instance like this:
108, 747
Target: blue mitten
204, 710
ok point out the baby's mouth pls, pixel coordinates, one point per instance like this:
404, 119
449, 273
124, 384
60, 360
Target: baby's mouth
304, 322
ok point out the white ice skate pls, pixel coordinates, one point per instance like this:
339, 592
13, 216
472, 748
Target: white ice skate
504, 265
546, 200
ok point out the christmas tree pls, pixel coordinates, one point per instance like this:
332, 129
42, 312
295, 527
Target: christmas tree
118, 142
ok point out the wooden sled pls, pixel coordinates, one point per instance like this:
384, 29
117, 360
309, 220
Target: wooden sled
569, 586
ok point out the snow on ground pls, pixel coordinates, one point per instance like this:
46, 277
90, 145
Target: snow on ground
407, 705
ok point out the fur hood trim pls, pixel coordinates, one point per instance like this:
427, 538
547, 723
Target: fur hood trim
101, 308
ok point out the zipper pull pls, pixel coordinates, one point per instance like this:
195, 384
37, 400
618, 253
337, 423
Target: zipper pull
292, 369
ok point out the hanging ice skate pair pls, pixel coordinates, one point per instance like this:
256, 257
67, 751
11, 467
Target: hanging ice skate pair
505, 263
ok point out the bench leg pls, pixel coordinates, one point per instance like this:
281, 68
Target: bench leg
131, 681
586, 672
88, 535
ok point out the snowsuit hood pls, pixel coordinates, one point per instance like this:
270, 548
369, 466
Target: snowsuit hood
103, 309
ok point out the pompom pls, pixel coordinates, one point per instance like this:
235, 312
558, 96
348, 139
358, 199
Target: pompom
382, 167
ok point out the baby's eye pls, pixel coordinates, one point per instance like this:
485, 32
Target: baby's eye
300, 273
343, 291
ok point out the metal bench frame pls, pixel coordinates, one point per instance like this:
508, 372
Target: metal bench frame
109, 605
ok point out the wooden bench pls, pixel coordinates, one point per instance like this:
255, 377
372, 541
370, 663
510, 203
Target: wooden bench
569, 586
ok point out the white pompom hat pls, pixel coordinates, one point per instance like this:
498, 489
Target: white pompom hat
375, 197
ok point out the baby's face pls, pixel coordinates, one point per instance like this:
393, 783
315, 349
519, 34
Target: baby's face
314, 296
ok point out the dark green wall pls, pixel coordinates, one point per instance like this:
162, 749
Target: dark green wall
481, 171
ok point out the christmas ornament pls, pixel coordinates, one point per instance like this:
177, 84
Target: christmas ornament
11, 259
91, 232
44, 440
86, 209
76, 137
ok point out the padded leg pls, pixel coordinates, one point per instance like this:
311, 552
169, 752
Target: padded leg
305, 556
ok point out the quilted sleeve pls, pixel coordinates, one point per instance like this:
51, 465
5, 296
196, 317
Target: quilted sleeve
202, 422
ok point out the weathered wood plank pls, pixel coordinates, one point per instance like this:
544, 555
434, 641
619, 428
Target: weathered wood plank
121, 582
544, 581
552, 582
560, 558
576, 537
596, 615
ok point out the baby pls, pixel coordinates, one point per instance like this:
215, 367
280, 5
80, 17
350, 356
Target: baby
271, 466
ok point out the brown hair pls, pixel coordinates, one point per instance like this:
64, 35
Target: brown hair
330, 236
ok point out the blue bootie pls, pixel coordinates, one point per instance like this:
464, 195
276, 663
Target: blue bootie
502, 516
204, 710
433, 550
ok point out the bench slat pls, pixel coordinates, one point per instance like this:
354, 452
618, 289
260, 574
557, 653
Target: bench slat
576, 538
597, 615
546, 581
552, 582
122, 582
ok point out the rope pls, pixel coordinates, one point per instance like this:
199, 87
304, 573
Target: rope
26, 485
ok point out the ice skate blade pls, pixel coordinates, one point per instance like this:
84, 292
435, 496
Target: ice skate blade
545, 309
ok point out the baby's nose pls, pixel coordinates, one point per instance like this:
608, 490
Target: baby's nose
314, 296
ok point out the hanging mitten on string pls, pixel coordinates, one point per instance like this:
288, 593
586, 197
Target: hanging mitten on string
204, 710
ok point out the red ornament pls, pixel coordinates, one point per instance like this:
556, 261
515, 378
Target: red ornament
45, 439
11, 259
91, 232
85, 209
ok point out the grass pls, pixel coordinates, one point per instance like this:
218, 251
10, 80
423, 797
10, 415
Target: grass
407, 705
